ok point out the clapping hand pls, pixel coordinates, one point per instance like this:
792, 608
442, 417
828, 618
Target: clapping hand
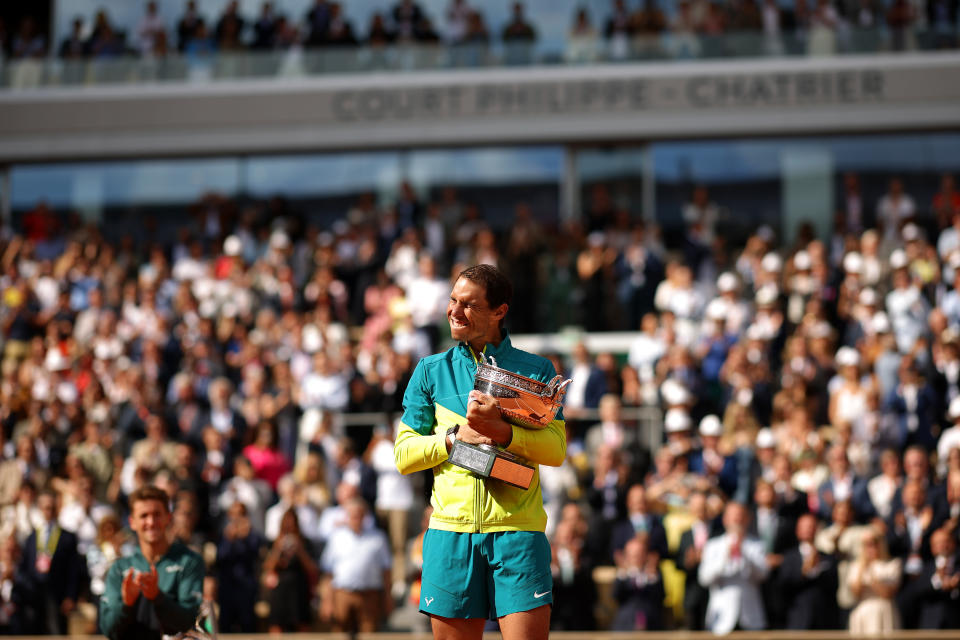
130, 587
148, 583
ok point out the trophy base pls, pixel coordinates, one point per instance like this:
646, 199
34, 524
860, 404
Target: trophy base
490, 462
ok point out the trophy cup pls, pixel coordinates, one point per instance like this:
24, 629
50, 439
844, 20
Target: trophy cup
524, 402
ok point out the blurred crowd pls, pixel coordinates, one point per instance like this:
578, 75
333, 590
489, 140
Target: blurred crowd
624, 29
809, 395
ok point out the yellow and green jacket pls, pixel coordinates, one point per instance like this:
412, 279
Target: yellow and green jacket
435, 400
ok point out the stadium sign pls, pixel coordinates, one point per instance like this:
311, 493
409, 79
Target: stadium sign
558, 105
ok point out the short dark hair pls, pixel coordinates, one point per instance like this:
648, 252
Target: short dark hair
150, 492
497, 286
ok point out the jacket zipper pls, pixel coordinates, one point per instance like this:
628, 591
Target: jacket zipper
477, 482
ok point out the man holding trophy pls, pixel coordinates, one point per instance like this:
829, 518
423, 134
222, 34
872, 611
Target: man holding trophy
483, 415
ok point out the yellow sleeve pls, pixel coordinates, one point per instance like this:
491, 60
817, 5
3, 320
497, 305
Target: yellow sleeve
413, 452
544, 446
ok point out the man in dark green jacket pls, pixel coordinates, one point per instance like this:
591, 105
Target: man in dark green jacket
157, 590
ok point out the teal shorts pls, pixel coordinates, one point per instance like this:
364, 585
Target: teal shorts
484, 575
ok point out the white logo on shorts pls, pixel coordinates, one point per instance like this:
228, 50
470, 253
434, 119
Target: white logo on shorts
428, 601
540, 595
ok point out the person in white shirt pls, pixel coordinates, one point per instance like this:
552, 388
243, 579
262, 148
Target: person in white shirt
733, 566
357, 570
287, 490
151, 28
950, 438
894, 209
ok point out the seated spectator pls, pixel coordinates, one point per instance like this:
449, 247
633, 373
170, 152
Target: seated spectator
843, 484
882, 487
873, 580
268, 462
638, 588
16, 612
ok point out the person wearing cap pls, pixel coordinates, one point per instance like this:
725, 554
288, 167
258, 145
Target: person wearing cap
906, 306
712, 350
848, 396
850, 286
710, 462
738, 311
677, 426
859, 322
801, 286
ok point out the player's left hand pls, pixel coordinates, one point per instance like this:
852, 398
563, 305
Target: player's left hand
148, 584
483, 416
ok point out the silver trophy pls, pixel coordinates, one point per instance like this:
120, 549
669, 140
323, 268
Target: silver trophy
524, 402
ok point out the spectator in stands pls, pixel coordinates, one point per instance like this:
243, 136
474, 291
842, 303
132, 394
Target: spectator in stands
901, 17
355, 595
518, 37
936, 593
688, 559
230, 26
574, 591
318, 22
885, 485
841, 541
732, 567
238, 557
638, 588
809, 580
28, 42
53, 568
16, 613
894, 210
290, 576
74, 47
187, 25
265, 28
582, 39
843, 484
873, 581
638, 520
406, 16
150, 30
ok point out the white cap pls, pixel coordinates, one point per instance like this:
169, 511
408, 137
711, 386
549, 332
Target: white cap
853, 262
726, 282
766, 234
596, 239
717, 309
675, 393
676, 420
953, 411
869, 297
772, 263
820, 330
744, 397
279, 239
311, 340
232, 245
911, 232
710, 426
802, 261
766, 439
898, 259
767, 295
756, 332
847, 357
880, 322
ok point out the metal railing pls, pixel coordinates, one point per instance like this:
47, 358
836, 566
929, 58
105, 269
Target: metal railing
300, 62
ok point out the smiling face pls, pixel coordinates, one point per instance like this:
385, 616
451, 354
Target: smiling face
470, 317
149, 520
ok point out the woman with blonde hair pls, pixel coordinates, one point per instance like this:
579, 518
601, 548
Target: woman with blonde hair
873, 581
311, 474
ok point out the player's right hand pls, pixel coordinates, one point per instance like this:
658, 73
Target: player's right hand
130, 587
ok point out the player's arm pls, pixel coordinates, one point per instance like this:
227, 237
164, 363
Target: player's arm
115, 616
417, 447
178, 611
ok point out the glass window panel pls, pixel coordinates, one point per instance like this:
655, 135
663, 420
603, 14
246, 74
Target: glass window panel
97, 185
493, 178
298, 176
